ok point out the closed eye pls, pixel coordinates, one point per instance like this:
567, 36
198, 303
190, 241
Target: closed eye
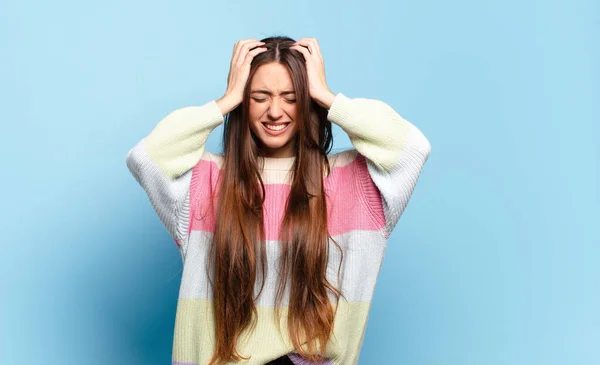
263, 100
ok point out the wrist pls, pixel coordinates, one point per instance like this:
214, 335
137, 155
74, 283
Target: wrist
326, 99
227, 103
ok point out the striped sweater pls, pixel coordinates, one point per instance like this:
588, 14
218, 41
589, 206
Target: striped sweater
367, 190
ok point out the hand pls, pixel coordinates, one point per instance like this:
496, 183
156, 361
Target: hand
315, 68
239, 70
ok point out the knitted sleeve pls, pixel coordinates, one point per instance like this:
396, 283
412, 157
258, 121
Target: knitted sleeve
162, 162
394, 150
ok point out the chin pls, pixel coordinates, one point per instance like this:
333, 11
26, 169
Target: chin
275, 142
274, 145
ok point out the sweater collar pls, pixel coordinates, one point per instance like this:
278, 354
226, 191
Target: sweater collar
277, 163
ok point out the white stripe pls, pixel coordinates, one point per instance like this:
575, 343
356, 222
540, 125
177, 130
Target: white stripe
169, 198
363, 253
397, 185
339, 159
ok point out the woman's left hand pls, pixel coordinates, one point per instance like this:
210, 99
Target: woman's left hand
315, 68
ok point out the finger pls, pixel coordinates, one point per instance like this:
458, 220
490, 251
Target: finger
302, 50
244, 49
238, 46
305, 43
254, 52
317, 48
239, 43
242, 42
314, 46
309, 43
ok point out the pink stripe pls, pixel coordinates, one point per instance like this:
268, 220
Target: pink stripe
202, 207
347, 207
349, 192
274, 209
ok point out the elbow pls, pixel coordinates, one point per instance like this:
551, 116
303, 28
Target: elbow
130, 158
425, 148
421, 144
133, 161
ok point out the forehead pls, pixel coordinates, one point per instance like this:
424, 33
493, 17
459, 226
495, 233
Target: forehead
272, 76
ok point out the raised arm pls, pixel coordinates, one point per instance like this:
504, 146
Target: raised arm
162, 162
394, 150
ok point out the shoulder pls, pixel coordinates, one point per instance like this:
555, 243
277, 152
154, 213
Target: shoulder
343, 165
336, 159
213, 158
343, 158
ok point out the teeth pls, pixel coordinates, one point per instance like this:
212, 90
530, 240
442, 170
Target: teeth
275, 128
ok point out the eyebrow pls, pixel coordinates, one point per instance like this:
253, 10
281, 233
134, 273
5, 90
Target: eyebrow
269, 93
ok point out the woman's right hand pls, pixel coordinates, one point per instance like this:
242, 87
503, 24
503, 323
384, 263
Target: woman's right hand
239, 70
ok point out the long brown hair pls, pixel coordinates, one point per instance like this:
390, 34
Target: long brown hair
239, 246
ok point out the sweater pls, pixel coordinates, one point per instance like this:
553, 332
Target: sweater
367, 190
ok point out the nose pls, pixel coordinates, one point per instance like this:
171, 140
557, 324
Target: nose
275, 111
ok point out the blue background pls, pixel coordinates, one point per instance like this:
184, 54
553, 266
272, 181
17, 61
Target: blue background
495, 260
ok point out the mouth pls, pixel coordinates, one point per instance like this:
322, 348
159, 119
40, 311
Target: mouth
276, 128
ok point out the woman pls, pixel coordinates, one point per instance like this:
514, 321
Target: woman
281, 240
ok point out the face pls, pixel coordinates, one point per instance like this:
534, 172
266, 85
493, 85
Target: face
273, 110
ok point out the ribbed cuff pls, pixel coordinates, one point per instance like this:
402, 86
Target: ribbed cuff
339, 110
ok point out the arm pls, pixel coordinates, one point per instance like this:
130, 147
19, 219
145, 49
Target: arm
394, 150
162, 162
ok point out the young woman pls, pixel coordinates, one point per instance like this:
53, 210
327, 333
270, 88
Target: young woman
281, 241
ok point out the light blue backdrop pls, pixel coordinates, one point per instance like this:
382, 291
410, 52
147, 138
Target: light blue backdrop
495, 260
